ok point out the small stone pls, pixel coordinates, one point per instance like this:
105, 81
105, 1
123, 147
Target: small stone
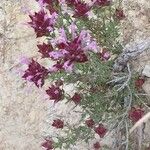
146, 71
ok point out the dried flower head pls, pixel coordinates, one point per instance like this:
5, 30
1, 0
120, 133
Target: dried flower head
47, 144
101, 130
136, 113
119, 14
139, 83
76, 98
96, 146
59, 124
90, 123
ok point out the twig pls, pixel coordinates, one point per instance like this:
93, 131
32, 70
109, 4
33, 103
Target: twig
117, 79
131, 51
128, 79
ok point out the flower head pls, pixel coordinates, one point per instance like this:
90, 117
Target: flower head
81, 9
72, 51
36, 73
55, 93
90, 123
45, 49
48, 144
96, 146
101, 130
76, 98
42, 23
136, 113
59, 124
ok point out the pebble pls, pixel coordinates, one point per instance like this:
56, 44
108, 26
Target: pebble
146, 71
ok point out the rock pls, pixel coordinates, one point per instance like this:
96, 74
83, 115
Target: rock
146, 71
146, 87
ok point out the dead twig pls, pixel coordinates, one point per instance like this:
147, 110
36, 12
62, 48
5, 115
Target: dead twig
131, 51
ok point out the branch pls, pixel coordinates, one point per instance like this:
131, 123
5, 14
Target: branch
131, 51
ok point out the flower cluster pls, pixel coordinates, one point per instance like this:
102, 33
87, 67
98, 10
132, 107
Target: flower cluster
100, 129
42, 23
74, 52
59, 124
81, 9
36, 73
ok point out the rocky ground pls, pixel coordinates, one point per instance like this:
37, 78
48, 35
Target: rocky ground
24, 115
22, 112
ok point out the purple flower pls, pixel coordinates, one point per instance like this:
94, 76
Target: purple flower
81, 9
45, 49
36, 73
75, 51
42, 23
72, 51
55, 93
